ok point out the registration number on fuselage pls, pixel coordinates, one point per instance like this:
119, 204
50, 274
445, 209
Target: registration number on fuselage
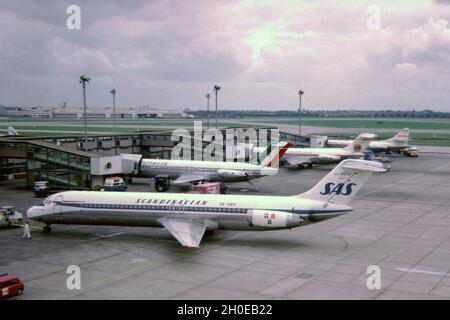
227, 204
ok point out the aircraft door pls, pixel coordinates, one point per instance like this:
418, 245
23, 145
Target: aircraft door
57, 204
181, 208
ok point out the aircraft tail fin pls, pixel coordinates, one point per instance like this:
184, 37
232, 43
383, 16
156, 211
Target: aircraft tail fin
342, 183
402, 136
274, 155
360, 143
12, 131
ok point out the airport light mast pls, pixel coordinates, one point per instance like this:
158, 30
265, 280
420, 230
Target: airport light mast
207, 110
300, 93
113, 92
83, 80
216, 90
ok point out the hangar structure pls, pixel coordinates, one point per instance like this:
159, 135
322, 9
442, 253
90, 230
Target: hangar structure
64, 163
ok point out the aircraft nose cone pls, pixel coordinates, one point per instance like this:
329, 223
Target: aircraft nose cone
30, 213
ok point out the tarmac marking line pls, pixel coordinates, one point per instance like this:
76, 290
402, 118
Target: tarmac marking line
413, 270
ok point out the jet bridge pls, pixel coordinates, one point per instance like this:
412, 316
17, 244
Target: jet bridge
62, 167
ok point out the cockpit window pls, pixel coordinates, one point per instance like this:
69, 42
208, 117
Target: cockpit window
41, 204
47, 201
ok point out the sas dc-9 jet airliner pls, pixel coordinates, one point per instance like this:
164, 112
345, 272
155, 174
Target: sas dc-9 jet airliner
188, 216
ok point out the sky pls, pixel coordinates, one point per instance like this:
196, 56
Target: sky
361, 54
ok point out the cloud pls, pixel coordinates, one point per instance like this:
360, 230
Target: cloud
428, 44
442, 1
171, 53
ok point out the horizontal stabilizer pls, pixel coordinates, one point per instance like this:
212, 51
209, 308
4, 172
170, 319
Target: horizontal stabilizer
357, 165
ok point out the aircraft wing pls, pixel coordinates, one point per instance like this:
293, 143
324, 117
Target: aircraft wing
188, 233
184, 178
297, 160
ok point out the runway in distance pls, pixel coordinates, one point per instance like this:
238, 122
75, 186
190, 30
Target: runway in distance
310, 156
188, 216
395, 144
189, 171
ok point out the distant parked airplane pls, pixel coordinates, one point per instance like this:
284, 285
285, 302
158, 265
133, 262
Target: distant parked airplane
395, 144
310, 156
11, 132
188, 171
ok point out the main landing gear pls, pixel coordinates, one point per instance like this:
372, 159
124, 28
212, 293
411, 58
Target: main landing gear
47, 228
303, 165
209, 233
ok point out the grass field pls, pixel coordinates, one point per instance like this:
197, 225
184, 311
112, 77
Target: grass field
368, 123
428, 124
75, 126
67, 127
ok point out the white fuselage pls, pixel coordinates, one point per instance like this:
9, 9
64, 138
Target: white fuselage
387, 145
323, 155
317, 155
236, 212
377, 146
211, 170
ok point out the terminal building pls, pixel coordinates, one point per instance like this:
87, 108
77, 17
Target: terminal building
98, 113
66, 163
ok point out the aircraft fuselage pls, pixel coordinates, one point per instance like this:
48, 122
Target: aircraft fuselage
235, 212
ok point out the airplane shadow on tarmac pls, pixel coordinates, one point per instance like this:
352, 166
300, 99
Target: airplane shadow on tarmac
158, 236
152, 238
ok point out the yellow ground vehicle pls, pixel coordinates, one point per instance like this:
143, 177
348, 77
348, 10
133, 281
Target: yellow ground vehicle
410, 152
9, 217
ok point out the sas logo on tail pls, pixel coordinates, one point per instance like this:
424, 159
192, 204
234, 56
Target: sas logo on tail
338, 189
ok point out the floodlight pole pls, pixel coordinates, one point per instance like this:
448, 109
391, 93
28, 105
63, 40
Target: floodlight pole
300, 93
83, 80
113, 92
207, 110
216, 90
